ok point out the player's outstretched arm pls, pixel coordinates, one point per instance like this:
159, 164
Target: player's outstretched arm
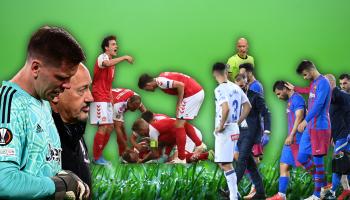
114, 61
120, 130
15, 184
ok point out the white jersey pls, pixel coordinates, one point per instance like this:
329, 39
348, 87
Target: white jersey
234, 96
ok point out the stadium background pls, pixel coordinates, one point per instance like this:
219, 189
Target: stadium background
189, 36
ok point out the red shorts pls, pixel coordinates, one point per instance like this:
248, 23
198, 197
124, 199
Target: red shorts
257, 150
320, 140
295, 151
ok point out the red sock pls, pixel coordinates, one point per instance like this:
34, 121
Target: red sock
181, 142
203, 156
106, 139
99, 144
188, 157
191, 132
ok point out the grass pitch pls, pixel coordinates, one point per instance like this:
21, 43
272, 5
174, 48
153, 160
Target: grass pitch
194, 181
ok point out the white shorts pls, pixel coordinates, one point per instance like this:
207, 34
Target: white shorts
190, 106
190, 145
101, 113
225, 143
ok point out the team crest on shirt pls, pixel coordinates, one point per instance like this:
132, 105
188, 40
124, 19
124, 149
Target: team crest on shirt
54, 154
5, 136
312, 95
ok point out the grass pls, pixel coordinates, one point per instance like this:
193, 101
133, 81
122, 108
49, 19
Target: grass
196, 181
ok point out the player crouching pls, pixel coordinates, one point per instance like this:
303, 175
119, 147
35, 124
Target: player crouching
163, 136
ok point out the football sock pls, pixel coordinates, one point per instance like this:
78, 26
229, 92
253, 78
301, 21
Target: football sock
283, 184
231, 179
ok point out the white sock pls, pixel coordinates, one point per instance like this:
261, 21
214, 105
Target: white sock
282, 195
344, 182
231, 180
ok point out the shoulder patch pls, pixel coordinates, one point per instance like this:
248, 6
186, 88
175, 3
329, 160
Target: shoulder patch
5, 136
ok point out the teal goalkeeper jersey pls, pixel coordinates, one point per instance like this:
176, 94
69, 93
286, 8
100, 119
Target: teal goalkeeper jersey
28, 135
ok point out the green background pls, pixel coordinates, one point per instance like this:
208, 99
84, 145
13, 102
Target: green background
189, 36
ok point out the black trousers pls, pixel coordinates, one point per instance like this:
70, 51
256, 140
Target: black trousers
246, 160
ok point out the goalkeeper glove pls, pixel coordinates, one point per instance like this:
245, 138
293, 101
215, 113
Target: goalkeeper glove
70, 186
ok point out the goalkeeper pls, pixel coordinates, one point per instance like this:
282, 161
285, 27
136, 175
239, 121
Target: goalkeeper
30, 149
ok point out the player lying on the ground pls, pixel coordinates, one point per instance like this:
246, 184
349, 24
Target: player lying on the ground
295, 114
190, 98
164, 153
124, 100
162, 133
101, 110
150, 117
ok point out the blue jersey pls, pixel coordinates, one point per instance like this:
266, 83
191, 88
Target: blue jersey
318, 104
295, 103
29, 142
256, 86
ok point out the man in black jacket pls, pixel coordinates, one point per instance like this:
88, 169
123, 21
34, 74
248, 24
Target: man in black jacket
70, 112
250, 132
339, 113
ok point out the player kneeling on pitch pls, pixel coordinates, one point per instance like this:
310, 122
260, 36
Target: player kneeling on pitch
190, 98
123, 100
192, 154
229, 99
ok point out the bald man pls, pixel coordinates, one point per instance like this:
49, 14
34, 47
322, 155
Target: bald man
340, 119
239, 58
70, 113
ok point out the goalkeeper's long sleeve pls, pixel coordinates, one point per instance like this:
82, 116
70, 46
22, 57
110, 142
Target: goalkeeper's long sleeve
15, 184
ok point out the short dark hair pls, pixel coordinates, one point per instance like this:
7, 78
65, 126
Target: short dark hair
219, 67
240, 77
135, 98
105, 41
305, 65
344, 76
144, 79
126, 156
249, 67
55, 45
279, 85
147, 116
